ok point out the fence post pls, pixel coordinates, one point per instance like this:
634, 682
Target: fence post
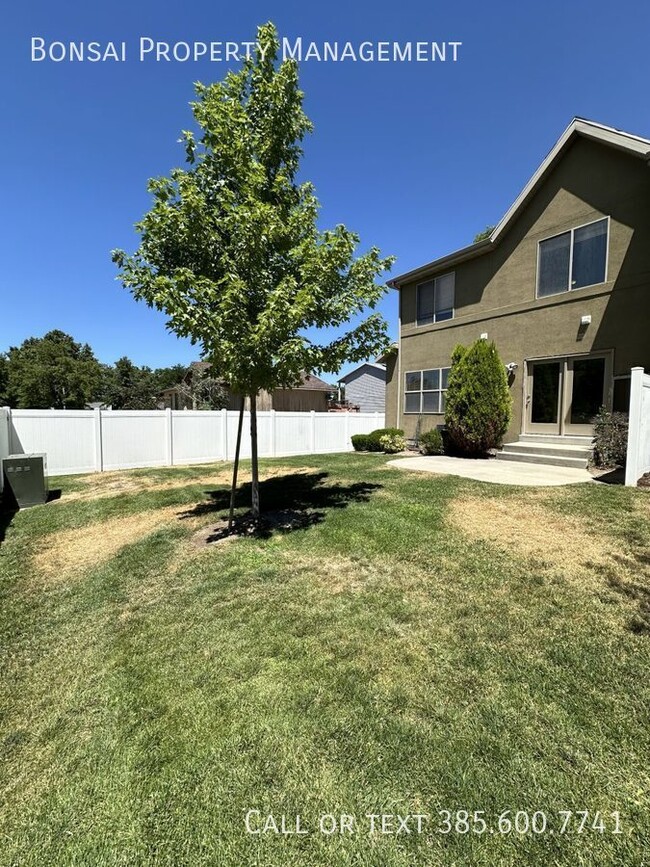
169, 440
224, 434
272, 432
312, 432
635, 423
5, 438
97, 431
346, 432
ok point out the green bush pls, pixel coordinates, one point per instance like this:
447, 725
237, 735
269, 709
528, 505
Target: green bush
361, 442
431, 442
610, 438
479, 404
376, 435
392, 443
371, 442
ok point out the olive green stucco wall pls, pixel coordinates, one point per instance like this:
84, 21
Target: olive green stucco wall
496, 292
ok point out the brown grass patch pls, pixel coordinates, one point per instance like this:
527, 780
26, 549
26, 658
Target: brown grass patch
525, 527
113, 484
335, 574
68, 552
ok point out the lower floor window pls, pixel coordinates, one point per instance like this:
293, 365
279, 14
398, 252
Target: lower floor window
425, 391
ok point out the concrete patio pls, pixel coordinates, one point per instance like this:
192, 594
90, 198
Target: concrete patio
491, 470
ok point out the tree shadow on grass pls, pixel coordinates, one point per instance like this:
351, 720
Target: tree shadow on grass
290, 502
6, 517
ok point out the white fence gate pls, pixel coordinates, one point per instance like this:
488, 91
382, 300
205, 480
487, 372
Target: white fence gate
86, 441
638, 440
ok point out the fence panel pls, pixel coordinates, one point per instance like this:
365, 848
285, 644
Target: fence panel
197, 437
67, 437
129, 442
638, 442
82, 441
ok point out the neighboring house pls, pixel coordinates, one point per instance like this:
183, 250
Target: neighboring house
365, 387
562, 286
312, 394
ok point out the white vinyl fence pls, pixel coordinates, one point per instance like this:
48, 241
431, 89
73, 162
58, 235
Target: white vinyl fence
86, 441
638, 439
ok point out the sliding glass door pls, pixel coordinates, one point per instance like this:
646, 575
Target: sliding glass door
564, 394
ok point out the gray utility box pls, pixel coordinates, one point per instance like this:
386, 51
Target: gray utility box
26, 479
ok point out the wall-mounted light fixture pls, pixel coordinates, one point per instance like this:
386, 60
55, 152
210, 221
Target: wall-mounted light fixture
585, 322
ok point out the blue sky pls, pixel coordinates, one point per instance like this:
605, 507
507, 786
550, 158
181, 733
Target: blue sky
416, 157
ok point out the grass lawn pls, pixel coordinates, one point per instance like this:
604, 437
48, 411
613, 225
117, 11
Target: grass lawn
425, 644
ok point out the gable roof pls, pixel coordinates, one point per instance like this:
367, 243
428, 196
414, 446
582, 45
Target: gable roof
313, 383
380, 367
579, 127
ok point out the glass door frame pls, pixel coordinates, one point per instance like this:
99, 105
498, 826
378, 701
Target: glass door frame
564, 426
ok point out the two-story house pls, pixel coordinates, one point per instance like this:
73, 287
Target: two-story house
562, 286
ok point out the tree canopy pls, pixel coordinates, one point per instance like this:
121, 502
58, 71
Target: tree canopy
52, 371
481, 236
55, 371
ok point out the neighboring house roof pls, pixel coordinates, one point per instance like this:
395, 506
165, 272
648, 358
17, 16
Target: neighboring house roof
351, 373
307, 380
314, 383
579, 127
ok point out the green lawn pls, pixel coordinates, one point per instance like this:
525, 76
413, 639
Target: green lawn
425, 644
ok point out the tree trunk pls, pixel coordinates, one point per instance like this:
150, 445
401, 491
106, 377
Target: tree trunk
255, 500
235, 469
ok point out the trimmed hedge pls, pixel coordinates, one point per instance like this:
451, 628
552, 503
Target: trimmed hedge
360, 442
371, 442
431, 442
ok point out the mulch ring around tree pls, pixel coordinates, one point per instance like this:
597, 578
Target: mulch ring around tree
245, 526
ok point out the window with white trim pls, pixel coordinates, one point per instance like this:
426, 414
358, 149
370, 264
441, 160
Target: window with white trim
573, 259
425, 391
435, 299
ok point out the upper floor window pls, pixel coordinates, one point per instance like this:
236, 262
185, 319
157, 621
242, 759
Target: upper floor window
426, 390
435, 299
573, 259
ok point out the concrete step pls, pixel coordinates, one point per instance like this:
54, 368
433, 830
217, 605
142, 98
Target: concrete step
585, 441
557, 449
551, 460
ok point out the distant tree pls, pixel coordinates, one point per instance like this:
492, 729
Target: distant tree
130, 387
478, 405
4, 379
487, 231
231, 251
204, 390
168, 377
52, 371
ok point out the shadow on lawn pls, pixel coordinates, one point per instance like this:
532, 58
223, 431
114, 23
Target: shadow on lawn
6, 517
288, 503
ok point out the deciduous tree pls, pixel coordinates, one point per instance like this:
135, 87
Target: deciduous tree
231, 252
